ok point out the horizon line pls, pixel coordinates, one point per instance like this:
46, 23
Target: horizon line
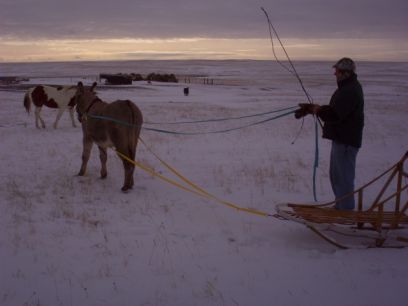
194, 59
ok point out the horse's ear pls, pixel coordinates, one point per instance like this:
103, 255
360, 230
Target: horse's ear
80, 88
93, 86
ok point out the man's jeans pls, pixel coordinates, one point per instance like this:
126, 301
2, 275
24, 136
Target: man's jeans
342, 173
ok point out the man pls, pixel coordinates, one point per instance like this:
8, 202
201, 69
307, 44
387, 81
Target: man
343, 124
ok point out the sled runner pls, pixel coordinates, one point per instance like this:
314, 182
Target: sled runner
380, 222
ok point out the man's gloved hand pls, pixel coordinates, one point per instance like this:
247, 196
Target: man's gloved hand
306, 109
299, 113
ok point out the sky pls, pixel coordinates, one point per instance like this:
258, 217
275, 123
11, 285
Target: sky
54, 30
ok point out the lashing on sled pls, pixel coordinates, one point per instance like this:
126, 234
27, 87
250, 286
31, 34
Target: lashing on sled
383, 222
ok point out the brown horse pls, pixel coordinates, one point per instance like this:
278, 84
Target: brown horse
115, 124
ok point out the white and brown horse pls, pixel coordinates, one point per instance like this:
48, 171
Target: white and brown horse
60, 97
115, 124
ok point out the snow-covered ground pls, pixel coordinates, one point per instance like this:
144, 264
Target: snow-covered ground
69, 240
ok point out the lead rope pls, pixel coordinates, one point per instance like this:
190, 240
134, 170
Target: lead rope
292, 70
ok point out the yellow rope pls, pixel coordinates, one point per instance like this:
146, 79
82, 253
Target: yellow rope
195, 189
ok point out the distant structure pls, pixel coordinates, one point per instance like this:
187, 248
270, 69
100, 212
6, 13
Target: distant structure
157, 77
127, 79
116, 79
8, 80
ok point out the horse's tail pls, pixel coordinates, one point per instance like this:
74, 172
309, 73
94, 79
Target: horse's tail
137, 119
136, 122
27, 101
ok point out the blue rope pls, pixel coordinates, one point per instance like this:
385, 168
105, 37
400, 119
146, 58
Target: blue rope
198, 133
316, 161
111, 119
225, 119
219, 131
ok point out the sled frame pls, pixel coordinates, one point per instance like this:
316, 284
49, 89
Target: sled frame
384, 223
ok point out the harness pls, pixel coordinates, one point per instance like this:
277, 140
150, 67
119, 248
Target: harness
80, 115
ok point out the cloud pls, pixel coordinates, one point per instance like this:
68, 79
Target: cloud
119, 29
56, 19
200, 48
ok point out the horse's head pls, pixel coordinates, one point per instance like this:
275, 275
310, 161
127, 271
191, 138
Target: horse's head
84, 97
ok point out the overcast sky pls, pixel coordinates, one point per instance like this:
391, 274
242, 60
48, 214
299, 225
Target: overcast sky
25, 21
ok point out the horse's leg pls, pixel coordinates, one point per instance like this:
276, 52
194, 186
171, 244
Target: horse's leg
60, 112
87, 147
38, 118
127, 166
71, 114
134, 137
132, 155
36, 115
103, 157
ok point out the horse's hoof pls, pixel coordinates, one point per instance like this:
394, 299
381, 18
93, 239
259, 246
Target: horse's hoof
126, 188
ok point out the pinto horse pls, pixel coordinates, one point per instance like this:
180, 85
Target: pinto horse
60, 97
115, 124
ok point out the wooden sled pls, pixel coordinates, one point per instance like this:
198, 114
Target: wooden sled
383, 224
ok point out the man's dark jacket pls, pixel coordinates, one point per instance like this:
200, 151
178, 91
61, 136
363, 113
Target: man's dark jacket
344, 116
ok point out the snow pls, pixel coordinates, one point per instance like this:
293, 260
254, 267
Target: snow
69, 240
